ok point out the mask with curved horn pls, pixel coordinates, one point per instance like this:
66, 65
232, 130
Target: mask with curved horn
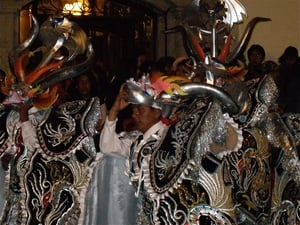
62, 41
58, 32
193, 90
66, 72
194, 49
13, 55
245, 39
187, 41
223, 12
174, 92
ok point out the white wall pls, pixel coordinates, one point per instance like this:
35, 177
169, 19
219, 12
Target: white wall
282, 31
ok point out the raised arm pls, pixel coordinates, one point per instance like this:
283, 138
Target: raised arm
119, 104
110, 141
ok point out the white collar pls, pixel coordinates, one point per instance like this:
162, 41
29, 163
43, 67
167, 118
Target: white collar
157, 128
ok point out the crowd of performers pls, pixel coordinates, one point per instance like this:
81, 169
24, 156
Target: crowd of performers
206, 148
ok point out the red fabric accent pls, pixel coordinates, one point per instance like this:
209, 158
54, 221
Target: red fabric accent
167, 121
19, 144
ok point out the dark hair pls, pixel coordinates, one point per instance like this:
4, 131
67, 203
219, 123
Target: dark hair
73, 91
165, 61
290, 51
258, 48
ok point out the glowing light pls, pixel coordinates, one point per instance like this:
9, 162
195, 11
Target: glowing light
77, 8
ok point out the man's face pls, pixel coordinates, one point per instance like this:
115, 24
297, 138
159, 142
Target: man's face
145, 117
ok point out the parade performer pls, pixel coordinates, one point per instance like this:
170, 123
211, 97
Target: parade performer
228, 158
48, 146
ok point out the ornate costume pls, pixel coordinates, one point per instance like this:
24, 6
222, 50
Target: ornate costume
229, 158
52, 159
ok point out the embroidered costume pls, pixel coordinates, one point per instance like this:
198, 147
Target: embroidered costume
52, 159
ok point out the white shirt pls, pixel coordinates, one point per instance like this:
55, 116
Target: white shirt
119, 144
